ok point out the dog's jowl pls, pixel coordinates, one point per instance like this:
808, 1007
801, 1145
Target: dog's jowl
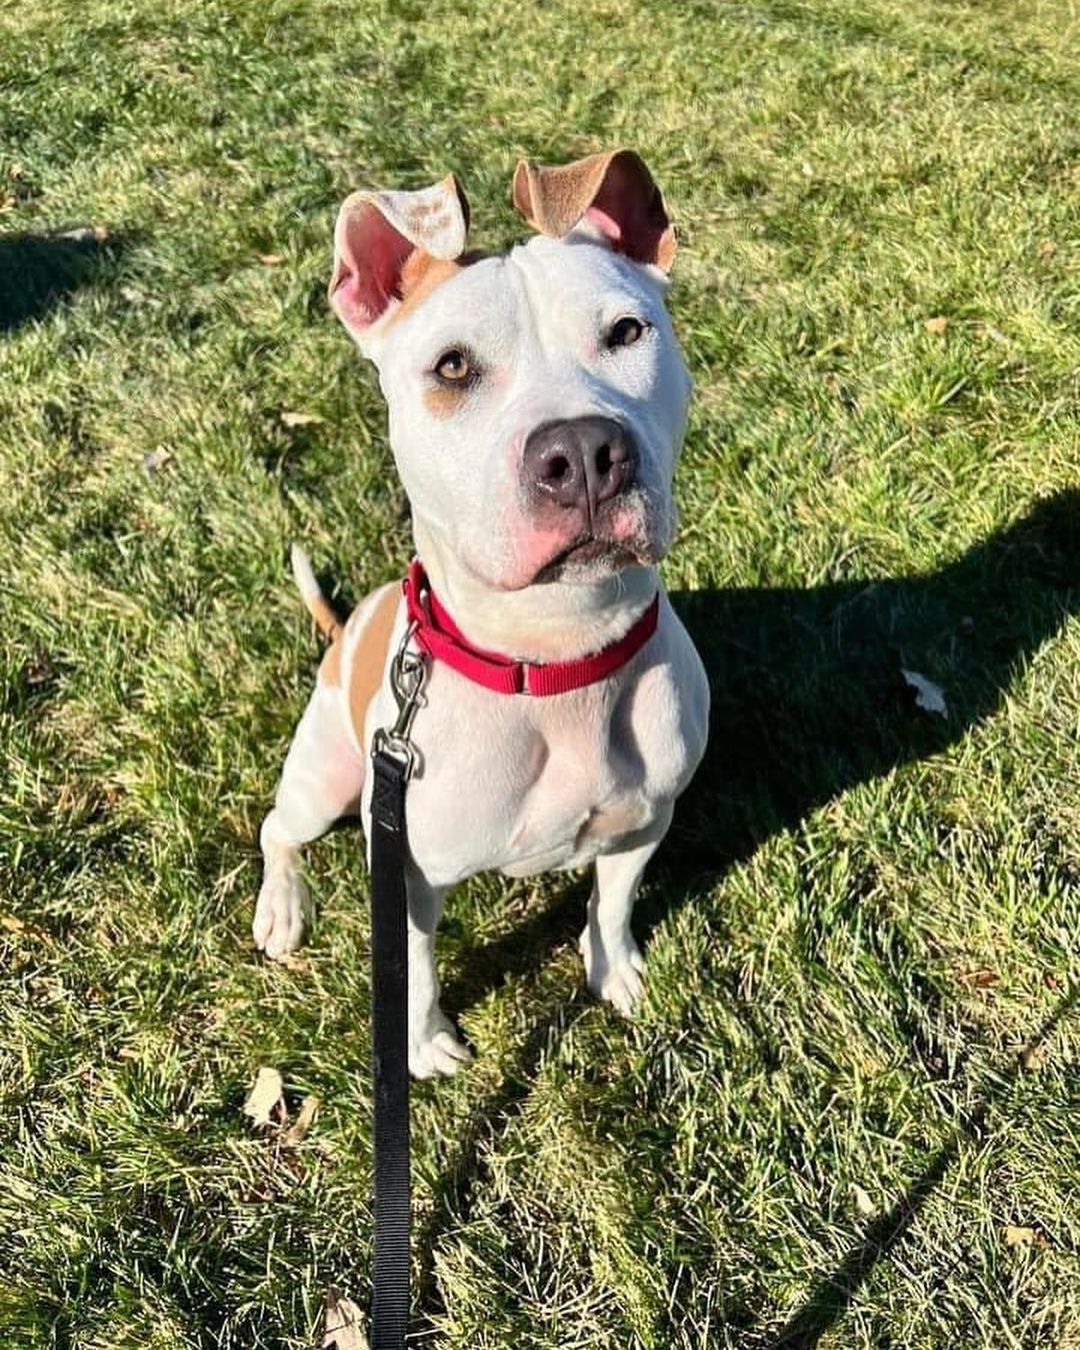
537, 404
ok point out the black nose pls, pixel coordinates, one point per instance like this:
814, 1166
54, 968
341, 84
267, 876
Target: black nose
581, 462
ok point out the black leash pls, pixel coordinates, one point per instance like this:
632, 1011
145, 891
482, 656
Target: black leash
393, 760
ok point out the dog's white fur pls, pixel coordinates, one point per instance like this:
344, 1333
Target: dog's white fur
513, 783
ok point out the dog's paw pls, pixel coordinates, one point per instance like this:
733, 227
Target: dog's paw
437, 1049
614, 974
280, 913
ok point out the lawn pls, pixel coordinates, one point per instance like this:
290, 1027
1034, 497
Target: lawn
849, 1112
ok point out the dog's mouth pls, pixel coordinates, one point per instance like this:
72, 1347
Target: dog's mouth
591, 556
633, 530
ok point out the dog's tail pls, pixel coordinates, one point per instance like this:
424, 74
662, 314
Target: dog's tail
321, 610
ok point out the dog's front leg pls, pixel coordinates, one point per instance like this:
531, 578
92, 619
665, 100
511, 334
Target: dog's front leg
614, 965
434, 1046
321, 780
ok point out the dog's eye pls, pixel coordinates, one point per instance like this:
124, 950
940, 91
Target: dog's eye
625, 331
453, 366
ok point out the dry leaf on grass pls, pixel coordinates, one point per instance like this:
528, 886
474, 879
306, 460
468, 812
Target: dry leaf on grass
294, 962
264, 1097
863, 1203
39, 669
298, 419
11, 923
928, 695
1032, 1057
155, 460
937, 325
343, 1324
1023, 1237
86, 234
981, 978
309, 1108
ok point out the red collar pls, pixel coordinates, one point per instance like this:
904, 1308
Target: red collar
439, 636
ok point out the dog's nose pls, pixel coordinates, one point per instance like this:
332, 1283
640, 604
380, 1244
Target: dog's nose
581, 462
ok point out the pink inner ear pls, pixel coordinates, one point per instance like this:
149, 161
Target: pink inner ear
629, 211
368, 273
608, 227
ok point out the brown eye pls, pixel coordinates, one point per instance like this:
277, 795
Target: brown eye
453, 366
625, 332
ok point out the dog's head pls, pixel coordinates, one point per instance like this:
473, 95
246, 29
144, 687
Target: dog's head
537, 398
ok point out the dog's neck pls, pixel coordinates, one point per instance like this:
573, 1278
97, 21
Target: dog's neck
551, 621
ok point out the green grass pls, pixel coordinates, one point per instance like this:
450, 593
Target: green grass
818, 1128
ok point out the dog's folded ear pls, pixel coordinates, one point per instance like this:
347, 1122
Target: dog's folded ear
377, 233
613, 192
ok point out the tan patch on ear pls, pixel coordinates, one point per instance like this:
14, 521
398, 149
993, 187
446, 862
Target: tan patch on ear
423, 274
554, 200
369, 658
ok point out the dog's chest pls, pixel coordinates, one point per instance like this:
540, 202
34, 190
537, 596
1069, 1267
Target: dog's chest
525, 787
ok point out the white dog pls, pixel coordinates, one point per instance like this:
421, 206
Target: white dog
537, 407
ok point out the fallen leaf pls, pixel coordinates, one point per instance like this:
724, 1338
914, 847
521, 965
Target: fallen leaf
863, 1203
155, 460
1023, 1237
1032, 1057
937, 325
1051, 981
928, 695
299, 419
13, 924
309, 1108
271, 259
135, 297
39, 669
264, 1097
995, 333
980, 979
343, 1324
86, 234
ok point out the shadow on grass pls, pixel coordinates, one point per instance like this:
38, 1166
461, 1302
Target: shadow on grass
808, 695
808, 700
457, 1187
832, 1296
39, 271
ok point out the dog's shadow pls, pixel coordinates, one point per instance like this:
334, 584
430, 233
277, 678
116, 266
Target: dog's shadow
808, 699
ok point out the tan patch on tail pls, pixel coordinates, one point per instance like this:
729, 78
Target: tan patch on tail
326, 620
330, 665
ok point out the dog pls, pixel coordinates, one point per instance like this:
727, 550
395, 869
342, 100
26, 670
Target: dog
537, 406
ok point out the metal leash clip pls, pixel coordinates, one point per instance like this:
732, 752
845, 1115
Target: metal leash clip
408, 671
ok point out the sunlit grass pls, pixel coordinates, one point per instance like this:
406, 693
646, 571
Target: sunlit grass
818, 1128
